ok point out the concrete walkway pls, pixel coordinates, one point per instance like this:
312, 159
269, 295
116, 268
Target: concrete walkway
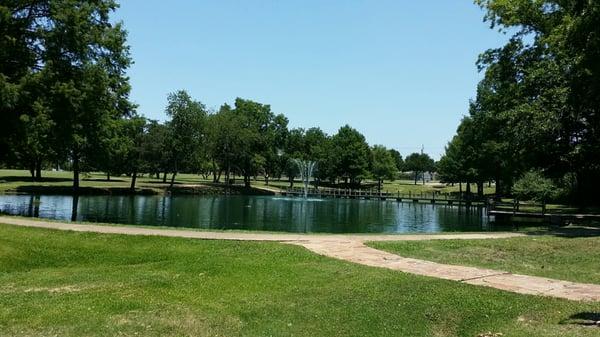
352, 248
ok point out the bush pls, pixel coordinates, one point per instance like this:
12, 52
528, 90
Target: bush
534, 186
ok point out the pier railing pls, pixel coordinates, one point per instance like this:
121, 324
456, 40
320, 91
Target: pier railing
433, 197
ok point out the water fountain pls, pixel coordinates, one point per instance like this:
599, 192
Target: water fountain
306, 168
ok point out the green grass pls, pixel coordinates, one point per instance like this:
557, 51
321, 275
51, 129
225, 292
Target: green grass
574, 259
13, 179
396, 186
10, 180
84, 284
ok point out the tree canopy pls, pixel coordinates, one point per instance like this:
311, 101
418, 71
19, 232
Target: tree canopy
537, 107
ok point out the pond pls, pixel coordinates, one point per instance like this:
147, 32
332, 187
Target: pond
267, 213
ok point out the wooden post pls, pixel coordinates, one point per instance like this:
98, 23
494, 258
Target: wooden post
543, 207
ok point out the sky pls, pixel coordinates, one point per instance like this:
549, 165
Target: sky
401, 72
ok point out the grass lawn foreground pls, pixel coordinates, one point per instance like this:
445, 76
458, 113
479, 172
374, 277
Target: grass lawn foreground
574, 259
87, 284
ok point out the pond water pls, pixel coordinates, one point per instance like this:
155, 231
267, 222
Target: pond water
254, 213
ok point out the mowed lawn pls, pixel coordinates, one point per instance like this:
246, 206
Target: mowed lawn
567, 258
85, 284
10, 180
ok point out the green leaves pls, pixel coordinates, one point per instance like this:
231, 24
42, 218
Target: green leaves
186, 128
383, 163
534, 186
419, 163
538, 103
350, 154
68, 60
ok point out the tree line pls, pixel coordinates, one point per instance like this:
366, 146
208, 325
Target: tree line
534, 125
65, 104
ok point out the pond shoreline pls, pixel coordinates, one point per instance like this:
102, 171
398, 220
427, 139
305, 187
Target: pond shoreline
198, 189
253, 212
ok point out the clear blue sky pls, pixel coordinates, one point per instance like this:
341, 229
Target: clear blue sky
401, 72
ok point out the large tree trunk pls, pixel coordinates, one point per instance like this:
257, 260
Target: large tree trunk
38, 170
416, 177
214, 170
173, 179
165, 177
228, 175
32, 172
247, 180
498, 187
76, 174
291, 179
480, 189
74, 207
423, 177
133, 179
107, 176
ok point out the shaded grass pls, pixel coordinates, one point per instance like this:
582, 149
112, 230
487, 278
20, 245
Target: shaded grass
21, 179
96, 183
397, 186
74, 284
574, 259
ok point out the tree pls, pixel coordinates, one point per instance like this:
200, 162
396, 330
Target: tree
32, 144
317, 146
134, 132
534, 186
185, 129
419, 163
398, 161
384, 166
276, 135
295, 148
156, 153
226, 140
543, 89
351, 155
84, 58
451, 166
20, 56
256, 129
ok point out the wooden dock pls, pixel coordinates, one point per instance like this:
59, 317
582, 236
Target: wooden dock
507, 210
432, 197
513, 210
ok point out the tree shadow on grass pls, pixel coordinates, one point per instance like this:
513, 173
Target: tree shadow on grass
587, 231
29, 179
591, 319
112, 180
160, 182
83, 190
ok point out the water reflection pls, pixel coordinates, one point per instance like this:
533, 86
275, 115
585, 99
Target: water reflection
258, 213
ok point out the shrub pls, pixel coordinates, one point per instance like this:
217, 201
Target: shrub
534, 186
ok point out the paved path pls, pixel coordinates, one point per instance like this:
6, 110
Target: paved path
352, 248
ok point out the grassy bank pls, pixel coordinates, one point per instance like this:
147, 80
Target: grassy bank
95, 182
74, 284
565, 255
